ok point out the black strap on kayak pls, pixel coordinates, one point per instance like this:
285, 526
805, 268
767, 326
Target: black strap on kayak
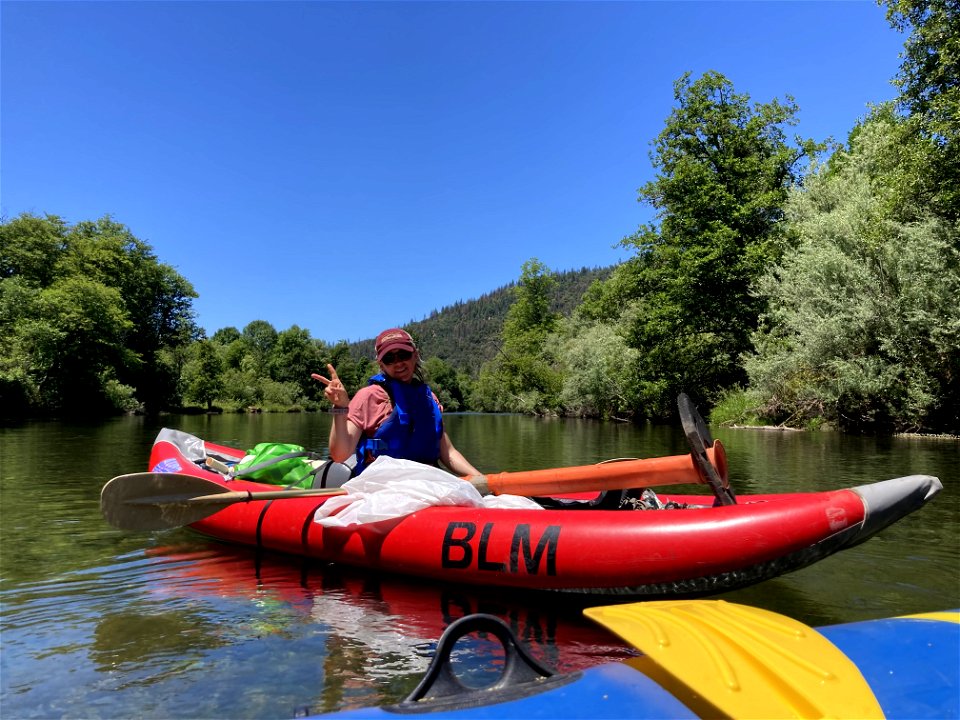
263, 514
307, 522
304, 531
324, 469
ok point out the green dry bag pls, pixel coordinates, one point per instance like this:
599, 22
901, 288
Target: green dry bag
277, 464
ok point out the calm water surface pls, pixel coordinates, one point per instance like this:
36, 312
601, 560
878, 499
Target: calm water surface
97, 623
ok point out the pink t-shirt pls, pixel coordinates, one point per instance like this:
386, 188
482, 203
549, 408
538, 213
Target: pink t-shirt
371, 407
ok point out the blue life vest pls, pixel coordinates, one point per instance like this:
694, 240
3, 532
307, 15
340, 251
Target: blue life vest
413, 430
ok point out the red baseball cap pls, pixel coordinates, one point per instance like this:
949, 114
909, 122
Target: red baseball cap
393, 339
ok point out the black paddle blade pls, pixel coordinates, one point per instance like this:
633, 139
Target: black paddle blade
699, 438
693, 421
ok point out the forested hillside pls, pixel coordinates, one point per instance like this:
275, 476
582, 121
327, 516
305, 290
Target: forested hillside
468, 334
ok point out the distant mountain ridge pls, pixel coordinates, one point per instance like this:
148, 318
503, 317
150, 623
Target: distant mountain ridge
467, 333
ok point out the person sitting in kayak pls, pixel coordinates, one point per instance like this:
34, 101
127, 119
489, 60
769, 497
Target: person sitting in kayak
396, 414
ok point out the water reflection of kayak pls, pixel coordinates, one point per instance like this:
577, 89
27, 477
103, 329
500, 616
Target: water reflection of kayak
696, 549
392, 618
704, 659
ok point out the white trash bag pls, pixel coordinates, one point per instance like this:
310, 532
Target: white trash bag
390, 488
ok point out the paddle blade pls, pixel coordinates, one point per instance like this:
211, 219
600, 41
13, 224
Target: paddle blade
698, 436
158, 501
734, 661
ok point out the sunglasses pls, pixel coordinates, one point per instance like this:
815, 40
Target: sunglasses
397, 356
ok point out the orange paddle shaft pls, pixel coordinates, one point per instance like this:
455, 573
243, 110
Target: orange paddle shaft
618, 475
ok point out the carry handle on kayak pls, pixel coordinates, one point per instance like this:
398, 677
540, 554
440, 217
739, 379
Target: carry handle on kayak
441, 683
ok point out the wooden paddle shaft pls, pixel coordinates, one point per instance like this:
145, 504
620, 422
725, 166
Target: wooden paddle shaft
232, 497
619, 475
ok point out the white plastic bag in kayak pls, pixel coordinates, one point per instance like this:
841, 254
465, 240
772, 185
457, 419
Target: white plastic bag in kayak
390, 488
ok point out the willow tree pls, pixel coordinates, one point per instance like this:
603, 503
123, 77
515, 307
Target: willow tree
864, 326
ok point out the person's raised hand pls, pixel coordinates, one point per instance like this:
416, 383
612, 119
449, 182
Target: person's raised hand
334, 390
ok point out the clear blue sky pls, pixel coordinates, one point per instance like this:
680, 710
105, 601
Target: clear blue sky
349, 166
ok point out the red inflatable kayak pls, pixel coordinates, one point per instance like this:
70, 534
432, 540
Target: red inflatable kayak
651, 553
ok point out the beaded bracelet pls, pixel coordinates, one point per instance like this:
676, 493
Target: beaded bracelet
338, 410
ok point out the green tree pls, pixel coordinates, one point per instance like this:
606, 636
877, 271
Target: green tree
929, 82
81, 326
451, 388
530, 313
234, 353
157, 300
241, 389
204, 374
524, 375
87, 317
248, 357
225, 336
293, 357
30, 247
259, 338
605, 299
724, 167
21, 336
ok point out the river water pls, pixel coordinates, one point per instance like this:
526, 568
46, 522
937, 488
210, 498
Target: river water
99, 623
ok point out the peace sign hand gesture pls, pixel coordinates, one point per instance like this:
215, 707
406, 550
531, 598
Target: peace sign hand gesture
334, 390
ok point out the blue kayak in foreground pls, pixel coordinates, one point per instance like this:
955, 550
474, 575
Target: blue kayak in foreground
703, 659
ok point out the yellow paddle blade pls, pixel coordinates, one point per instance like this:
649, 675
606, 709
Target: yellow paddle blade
727, 660
943, 616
